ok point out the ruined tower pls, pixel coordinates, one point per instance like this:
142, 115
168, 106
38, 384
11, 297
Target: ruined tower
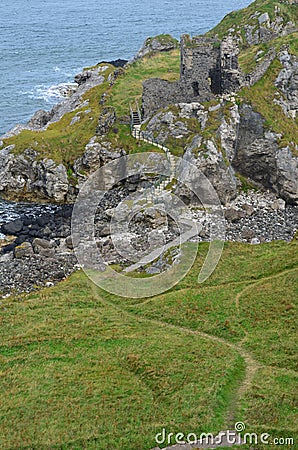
208, 68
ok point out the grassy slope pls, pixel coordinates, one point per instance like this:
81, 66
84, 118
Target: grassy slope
64, 142
128, 88
81, 368
239, 19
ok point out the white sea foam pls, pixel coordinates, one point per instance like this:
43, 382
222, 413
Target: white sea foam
51, 94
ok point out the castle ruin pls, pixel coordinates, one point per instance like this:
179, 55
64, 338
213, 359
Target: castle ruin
208, 68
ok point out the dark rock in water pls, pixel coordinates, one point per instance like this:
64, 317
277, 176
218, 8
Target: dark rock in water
13, 227
43, 220
67, 211
8, 248
28, 220
117, 62
63, 231
20, 239
40, 229
33, 233
34, 226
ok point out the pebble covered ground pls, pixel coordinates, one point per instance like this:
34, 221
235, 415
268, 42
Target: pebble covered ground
41, 254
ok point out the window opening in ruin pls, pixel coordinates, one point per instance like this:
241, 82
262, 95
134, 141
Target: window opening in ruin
195, 87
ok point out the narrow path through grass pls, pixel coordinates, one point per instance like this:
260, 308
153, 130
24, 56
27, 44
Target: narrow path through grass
257, 282
251, 364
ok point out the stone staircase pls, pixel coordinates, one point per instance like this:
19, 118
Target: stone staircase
136, 119
138, 134
152, 195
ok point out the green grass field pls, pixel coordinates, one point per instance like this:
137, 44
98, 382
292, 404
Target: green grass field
83, 369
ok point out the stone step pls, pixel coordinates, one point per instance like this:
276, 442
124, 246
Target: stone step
138, 134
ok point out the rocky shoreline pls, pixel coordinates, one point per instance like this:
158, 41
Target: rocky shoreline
40, 253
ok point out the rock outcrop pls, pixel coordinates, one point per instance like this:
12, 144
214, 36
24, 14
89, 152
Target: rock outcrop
24, 176
187, 124
240, 143
106, 120
259, 157
161, 43
97, 153
265, 29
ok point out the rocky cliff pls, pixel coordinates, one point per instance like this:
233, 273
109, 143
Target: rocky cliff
241, 122
229, 105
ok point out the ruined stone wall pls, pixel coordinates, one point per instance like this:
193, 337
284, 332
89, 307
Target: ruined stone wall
200, 67
159, 93
230, 74
254, 76
207, 68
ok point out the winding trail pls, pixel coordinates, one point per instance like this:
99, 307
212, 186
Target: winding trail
251, 364
260, 281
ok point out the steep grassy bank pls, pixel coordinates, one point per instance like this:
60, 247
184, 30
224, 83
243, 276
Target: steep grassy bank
239, 20
81, 368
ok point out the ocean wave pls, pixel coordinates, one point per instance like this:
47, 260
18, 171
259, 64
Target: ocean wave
12, 210
51, 94
66, 73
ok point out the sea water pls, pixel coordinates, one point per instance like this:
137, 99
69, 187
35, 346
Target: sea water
44, 43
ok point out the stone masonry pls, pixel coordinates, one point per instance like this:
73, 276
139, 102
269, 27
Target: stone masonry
208, 67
